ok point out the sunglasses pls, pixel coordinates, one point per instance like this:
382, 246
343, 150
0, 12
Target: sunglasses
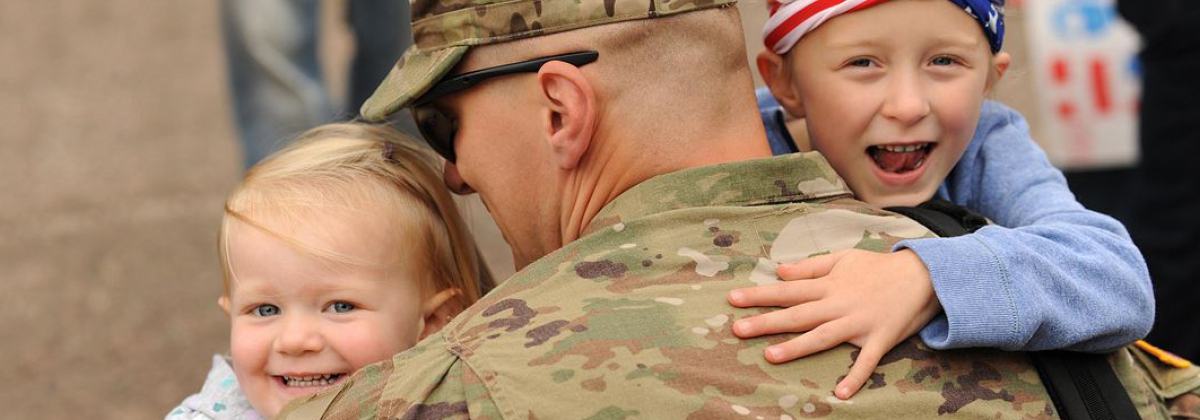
438, 128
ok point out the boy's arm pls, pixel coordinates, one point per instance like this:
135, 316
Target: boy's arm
1050, 275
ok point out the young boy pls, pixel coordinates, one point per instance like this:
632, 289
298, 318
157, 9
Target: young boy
893, 96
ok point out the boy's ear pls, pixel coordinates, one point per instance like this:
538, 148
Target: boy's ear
1000, 63
223, 302
569, 116
439, 309
778, 79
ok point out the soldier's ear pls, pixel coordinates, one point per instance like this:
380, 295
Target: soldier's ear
569, 113
777, 77
223, 302
439, 309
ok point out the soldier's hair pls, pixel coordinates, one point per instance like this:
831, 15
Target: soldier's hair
368, 173
691, 64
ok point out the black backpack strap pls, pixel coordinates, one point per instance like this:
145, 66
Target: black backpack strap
944, 218
1083, 386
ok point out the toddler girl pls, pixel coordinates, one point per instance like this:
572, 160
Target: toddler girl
339, 251
893, 96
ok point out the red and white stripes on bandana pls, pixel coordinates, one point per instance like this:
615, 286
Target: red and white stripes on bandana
792, 19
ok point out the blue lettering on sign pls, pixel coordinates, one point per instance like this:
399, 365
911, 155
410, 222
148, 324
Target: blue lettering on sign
1083, 18
1135, 67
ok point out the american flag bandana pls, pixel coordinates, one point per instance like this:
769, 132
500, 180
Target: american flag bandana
792, 19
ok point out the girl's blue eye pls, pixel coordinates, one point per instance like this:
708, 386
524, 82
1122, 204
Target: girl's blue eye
341, 307
862, 62
942, 61
266, 310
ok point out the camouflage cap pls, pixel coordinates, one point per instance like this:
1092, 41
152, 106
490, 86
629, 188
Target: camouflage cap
443, 30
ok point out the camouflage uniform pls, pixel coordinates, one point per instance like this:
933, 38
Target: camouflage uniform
631, 321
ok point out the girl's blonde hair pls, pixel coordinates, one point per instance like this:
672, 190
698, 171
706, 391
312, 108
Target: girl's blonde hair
367, 172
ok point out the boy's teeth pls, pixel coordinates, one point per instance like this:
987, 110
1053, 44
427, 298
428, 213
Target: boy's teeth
899, 159
909, 148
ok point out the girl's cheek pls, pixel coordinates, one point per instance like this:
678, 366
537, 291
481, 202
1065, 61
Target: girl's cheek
249, 341
362, 344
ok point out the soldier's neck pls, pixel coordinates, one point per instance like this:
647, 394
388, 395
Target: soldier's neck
617, 166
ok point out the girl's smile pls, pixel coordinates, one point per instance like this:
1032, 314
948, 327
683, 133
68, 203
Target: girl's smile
302, 323
301, 385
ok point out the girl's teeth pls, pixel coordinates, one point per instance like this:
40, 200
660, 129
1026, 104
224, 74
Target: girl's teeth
311, 380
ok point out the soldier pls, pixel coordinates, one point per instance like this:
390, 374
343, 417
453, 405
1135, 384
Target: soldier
618, 146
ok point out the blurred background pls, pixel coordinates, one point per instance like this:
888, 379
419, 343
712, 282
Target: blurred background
118, 142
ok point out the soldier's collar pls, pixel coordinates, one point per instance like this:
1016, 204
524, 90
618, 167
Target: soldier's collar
795, 177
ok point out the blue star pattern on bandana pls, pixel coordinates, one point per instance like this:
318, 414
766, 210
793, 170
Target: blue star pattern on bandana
992, 21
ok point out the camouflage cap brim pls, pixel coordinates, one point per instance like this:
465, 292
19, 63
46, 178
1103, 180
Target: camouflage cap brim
412, 75
443, 30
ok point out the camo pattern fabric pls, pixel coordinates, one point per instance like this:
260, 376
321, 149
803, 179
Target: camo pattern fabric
1157, 380
443, 23
443, 31
631, 322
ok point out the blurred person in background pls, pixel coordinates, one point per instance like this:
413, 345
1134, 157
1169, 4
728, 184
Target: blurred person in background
1164, 219
275, 74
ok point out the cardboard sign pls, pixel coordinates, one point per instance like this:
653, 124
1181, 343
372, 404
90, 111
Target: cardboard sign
1084, 61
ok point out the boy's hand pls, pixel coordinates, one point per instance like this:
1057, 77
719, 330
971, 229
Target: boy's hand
868, 299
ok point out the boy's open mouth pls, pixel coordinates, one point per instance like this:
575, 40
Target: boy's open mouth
900, 158
311, 380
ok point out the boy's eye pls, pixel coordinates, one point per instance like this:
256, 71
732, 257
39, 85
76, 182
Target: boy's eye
942, 61
266, 310
341, 307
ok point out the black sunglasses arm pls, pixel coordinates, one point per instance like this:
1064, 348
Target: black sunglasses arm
464, 81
